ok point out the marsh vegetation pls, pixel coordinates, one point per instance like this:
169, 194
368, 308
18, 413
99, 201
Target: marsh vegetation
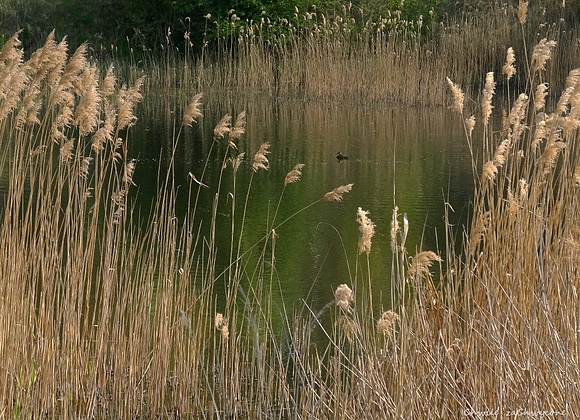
109, 312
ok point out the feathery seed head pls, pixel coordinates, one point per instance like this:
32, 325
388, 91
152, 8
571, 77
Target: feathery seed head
386, 324
501, 152
239, 127
540, 96
105, 133
66, 150
260, 159
487, 96
86, 115
237, 161
127, 99
522, 11
337, 193
221, 324
223, 126
508, 69
109, 82
394, 228
294, 175
541, 54
128, 175
75, 66
550, 155
458, 96
564, 101
489, 171
11, 51
193, 111
470, 124
421, 263
366, 229
84, 167
343, 296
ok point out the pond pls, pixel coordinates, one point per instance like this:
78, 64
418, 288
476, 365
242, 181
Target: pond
416, 159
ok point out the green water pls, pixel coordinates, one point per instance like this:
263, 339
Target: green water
413, 158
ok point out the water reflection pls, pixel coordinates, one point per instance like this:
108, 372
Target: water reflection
413, 158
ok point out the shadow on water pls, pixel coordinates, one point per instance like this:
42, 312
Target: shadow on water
413, 158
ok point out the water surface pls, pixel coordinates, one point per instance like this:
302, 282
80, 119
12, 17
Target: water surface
416, 159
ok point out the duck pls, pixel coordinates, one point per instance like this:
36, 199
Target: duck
340, 156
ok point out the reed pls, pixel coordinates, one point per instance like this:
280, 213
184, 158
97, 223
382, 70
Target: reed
107, 315
347, 57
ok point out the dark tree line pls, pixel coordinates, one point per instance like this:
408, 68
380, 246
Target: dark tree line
135, 23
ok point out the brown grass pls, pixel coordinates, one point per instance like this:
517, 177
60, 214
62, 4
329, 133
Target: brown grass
101, 319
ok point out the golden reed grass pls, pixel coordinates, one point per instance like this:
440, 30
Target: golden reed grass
100, 319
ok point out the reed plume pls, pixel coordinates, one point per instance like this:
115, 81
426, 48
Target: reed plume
470, 125
221, 324
260, 159
386, 323
236, 161
508, 69
13, 80
394, 228
421, 263
106, 132
522, 11
458, 96
337, 193
127, 99
540, 96
487, 96
86, 115
239, 127
223, 127
489, 171
343, 295
109, 82
366, 229
193, 111
541, 54
294, 175
501, 153
550, 155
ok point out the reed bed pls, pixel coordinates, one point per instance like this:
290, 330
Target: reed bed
349, 57
104, 315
